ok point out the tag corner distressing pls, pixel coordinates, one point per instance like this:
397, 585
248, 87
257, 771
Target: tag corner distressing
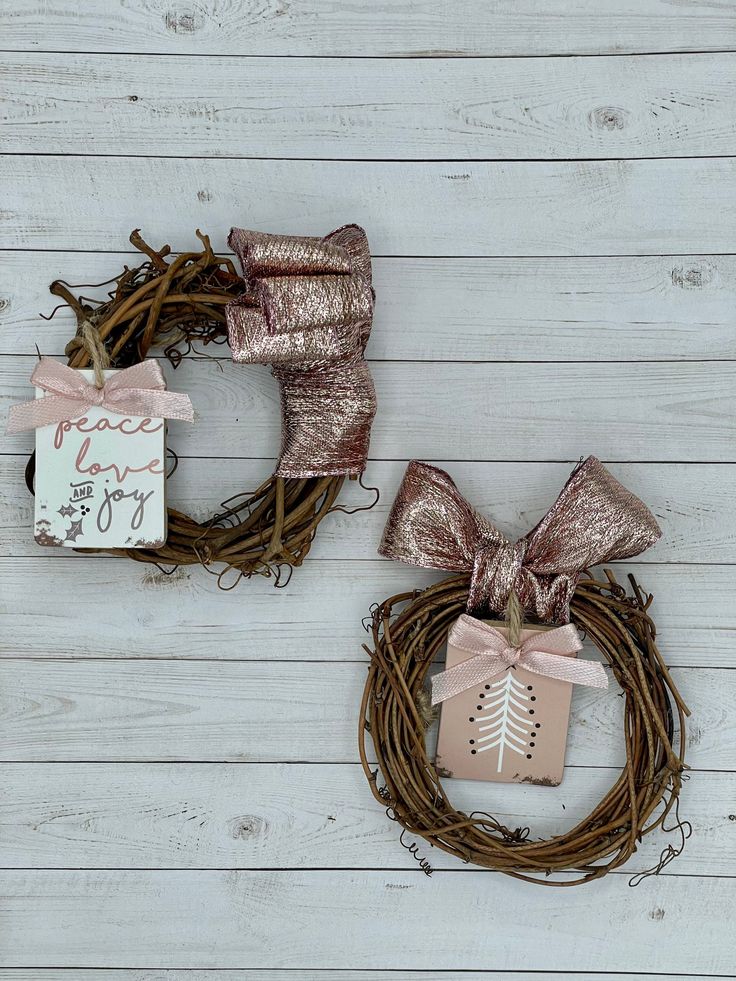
100, 481
511, 728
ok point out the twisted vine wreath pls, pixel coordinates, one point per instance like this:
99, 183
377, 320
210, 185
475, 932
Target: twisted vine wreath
409, 629
303, 305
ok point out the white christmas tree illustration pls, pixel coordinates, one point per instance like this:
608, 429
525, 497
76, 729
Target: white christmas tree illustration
505, 725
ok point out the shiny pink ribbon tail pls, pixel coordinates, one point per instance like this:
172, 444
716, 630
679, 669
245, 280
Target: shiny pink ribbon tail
136, 391
546, 652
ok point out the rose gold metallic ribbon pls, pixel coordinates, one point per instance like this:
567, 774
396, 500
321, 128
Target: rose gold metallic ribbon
547, 653
595, 519
136, 391
307, 311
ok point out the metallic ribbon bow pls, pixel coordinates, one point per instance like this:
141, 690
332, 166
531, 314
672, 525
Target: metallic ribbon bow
136, 391
595, 519
546, 653
307, 311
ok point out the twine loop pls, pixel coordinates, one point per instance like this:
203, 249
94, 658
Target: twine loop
88, 339
179, 302
653, 736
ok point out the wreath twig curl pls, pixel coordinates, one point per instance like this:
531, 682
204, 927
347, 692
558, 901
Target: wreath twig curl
409, 629
173, 303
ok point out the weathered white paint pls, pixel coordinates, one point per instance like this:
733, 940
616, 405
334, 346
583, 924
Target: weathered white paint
223, 689
94, 974
327, 920
300, 815
667, 411
671, 106
186, 616
620, 308
617, 207
412, 28
692, 503
270, 711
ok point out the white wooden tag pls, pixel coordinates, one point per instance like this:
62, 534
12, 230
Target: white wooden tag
100, 480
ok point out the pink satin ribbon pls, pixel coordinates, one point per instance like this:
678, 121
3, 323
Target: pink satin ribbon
136, 391
546, 652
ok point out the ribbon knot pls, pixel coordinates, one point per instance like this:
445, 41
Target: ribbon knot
510, 655
595, 519
496, 571
136, 391
307, 311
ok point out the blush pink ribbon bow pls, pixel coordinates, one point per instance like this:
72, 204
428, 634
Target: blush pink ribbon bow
546, 652
595, 519
136, 391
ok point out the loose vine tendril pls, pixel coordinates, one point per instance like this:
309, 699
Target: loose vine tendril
409, 629
174, 303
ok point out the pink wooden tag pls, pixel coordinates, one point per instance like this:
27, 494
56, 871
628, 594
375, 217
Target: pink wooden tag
510, 729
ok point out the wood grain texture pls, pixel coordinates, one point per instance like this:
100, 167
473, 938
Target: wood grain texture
667, 411
692, 504
95, 974
185, 616
100, 974
411, 28
544, 242
626, 308
221, 919
538, 108
300, 815
624, 207
226, 711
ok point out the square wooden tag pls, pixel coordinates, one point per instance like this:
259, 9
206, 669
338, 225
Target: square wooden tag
100, 480
509, 729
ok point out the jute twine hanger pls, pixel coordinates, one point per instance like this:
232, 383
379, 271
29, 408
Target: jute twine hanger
88, 337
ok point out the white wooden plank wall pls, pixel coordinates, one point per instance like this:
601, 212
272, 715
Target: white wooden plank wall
549, 188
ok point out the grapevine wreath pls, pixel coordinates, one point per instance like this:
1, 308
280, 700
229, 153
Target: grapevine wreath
543, 577
304, 306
